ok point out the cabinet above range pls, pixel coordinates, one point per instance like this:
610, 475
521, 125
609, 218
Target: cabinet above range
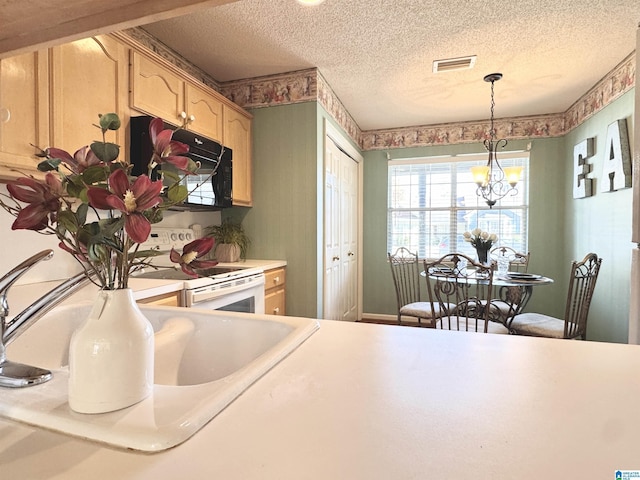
41, 102
158, 88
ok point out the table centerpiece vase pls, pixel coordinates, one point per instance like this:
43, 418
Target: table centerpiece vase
483, 255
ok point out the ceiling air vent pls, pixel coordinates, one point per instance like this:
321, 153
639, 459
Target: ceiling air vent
452, 64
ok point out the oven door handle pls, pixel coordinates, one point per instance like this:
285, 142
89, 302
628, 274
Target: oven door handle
207, 294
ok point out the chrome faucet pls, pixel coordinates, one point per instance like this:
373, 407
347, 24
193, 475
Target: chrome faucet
13, 374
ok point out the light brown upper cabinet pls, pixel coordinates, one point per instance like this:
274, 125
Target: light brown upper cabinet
87, 79
237, 136
162, 92
24, 111
207, 111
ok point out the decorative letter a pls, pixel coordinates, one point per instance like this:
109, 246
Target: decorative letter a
616, 169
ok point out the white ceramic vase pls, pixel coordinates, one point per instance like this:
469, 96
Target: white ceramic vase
111, 356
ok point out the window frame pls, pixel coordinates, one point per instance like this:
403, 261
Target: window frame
508, 218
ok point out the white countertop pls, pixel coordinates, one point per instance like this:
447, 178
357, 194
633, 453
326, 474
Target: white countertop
361, 401
20, 296
252, 262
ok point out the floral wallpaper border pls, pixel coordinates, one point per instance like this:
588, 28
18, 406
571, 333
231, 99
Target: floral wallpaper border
309, 85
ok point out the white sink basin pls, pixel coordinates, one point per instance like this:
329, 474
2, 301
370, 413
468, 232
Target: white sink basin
204, 360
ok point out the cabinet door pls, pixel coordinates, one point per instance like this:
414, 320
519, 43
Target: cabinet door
274, 294
206, 109
24, 111
166, 299
237, 136
274, 302
156, 90
88, 78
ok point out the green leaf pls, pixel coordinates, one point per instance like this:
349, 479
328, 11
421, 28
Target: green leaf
75, 187
95, 174
49, 164
171, 175
177, 193
192, 166
67, 219
110, 226
97, 252
109, 121
81, 213
154, 215
105, 151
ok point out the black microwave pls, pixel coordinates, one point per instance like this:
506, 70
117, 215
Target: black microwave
204, 193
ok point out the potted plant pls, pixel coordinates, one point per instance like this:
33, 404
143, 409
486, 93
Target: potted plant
231, 241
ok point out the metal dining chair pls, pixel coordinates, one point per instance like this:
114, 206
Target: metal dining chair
463, 295
405, 271
582, 283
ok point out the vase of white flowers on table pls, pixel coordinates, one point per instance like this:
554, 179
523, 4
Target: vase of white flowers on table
482, 242
102, 215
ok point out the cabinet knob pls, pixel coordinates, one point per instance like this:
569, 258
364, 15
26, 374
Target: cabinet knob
192, 118
335, 259
276, 310
183, 115
276, 279
351, 254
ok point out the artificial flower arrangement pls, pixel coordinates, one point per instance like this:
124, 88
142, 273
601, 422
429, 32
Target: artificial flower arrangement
479, 239
93, 183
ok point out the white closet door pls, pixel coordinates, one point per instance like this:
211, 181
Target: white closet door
349, 236
332, 244
340, 300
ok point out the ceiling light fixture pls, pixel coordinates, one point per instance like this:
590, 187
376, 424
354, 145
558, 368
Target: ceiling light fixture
310, 2
495, 182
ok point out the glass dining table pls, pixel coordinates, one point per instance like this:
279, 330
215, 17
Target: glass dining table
514, 290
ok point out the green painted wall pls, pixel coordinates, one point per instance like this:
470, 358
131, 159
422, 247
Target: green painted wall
286, 221
602, 224
282, 224
545, 216
561, 229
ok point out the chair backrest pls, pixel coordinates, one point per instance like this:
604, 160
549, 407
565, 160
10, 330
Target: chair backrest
518, 262
405, 270
463, 295
582, 283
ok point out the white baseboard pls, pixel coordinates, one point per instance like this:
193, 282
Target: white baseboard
379, 316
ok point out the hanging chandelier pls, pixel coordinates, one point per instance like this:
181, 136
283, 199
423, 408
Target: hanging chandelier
495, 182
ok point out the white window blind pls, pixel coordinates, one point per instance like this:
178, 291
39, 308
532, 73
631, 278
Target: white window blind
433, 201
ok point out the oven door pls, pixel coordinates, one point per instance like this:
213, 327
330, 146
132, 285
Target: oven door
238, 295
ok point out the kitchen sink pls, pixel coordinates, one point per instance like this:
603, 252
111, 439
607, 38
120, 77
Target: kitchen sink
204, 360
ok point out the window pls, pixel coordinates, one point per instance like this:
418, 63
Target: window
433, 201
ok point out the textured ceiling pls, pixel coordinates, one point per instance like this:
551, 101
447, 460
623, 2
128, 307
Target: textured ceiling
377, 55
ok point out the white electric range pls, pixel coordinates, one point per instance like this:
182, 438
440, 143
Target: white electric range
231, 288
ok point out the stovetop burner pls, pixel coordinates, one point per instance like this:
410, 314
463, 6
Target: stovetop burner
164, 239
177, 274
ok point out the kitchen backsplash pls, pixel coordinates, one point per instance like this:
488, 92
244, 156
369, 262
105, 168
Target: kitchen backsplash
18, 245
